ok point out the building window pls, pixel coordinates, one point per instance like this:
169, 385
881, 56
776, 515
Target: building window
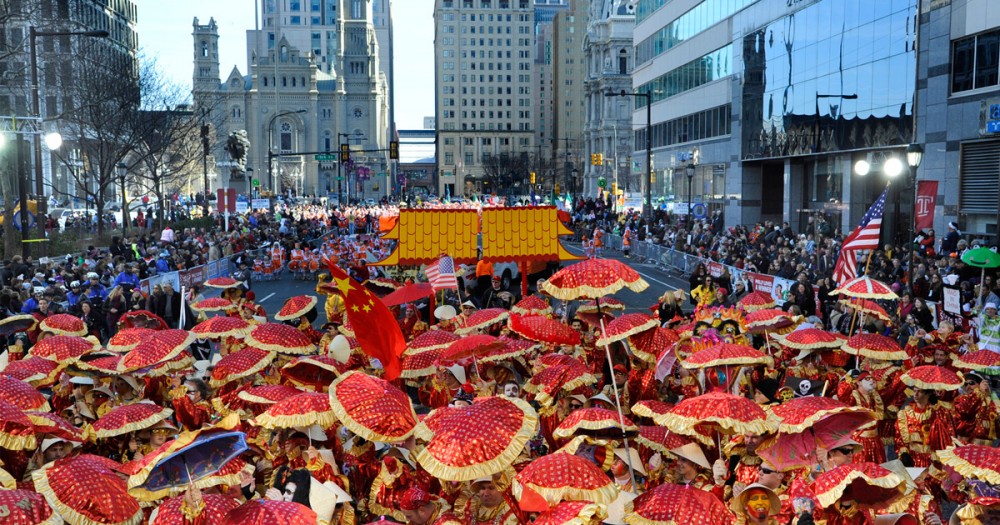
975, 62
286, 137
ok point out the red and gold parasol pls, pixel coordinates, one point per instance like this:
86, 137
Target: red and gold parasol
16, 430
238, 365
420, 365
594, 421
875, 346
37, 371
512, 349
157, 349
650, 408
973, 461
212, 304
547, 383
867, 484
64, 324
726, 413
866, 288
267, 394
174, 511
766, 320
593, 278
531, 305
26, 507
562, 477
608, 305
128, 338
16, 323
86, 489
478, 440
55, 426
482, 319
296, 307
142, 319
810, 339
627, 326
64, 348
281, 338
931, 377
543, 329
572, 513
978, 360
382, 285
725, 354
314, 370
127, 418
671, 504
222, 282
372, 408
221, 326
806, 424
22, 395
431, 340
659, 439
648, 346
105, 365
268, 512
868, 307
301, 410
469, 349
754, 301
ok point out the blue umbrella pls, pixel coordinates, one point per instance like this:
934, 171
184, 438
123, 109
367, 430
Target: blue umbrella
201, 458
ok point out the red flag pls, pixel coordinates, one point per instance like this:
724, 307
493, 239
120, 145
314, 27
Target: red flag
374, 325
926, 199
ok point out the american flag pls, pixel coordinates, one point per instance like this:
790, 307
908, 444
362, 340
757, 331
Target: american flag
441, 274
864, 237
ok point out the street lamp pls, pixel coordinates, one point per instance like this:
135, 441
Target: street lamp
689, 171
122, 171
358, 135
576, 177
270, 146
914, 154
648, 206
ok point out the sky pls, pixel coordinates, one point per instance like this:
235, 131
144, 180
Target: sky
165, 28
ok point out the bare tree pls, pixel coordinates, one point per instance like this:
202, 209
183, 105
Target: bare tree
502, 170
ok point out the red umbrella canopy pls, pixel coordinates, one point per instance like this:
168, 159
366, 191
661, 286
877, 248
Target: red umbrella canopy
572, 513
867, 484
408, 294
469, 348
725, 354
593, 278
25, 507
55, 426
301, 410
482, 319
659, 439
770, 319
512, 348
869, 307
128, 418
372, 408
281, 338
800, 414
38, 371
173, 511
718, 410
221, 326
317, 370
866, 288
931, 377
164, 346
545, 330
87, 489
103, 365
593, 421
974, 461
143, 319
608, 305
16, 323
875, 346
754, 301
128, 338
431, 340
212, 304
478, 440
420, 365
979, 360
22, 395
651, 408
238, 365
810, 339
531, 305
16, 429
649, 345
267, 394
268, 512
64, 324
562, 477
296, 307
671, 504
547, 383
222, 282
64, 347
627, 326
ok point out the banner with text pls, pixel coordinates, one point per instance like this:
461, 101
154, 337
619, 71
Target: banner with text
924, 207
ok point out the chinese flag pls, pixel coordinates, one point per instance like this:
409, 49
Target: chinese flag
374, 325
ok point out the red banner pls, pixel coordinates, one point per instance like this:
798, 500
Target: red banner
761, 282
924, 207
231, 200
220, 200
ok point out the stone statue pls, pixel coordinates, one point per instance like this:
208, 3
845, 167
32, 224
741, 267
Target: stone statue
238, 147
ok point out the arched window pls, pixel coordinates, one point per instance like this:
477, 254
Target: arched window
622, 62
284, 81
265, 81
293, 81
284, 53
204, 49
286, 136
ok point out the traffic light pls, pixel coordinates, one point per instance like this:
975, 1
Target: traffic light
600, 159
652, 177
345, 153
532, 177
614, 188
557, 189
394, 150
593, 159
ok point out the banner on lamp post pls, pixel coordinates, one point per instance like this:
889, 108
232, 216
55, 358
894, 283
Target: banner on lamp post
924, 206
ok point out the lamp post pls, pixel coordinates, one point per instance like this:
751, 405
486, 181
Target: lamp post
689, 171
648, 205
348, 136
270, 146
914, 155
122, 171
574, 189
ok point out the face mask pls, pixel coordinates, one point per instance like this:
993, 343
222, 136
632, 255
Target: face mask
758, 504
868, 384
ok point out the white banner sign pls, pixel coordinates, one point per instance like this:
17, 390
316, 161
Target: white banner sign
261, 204
242, 207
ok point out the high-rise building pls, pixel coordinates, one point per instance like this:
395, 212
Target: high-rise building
569, 31
484, 90
545, 136
607, 127
315, 81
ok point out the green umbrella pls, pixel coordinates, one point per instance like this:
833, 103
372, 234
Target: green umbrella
981, 258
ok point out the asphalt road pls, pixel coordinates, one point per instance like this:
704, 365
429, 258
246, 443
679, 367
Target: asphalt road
272, 294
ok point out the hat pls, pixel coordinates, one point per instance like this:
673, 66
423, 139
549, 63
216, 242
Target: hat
81, 380
616, 509
620, 368
693, 453
768, 387
48, 442
975, 375
466, 393
603, 398
739, 503
634, 456
74, 284
445, 312
324, 497
496, 278
952, 225
468, 304
579, 397
990, 305
414, 498
459, 372
164, 426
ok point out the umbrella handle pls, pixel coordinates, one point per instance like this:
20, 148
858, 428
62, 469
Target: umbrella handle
618, 401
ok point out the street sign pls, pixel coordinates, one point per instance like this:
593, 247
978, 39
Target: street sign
255, 183
332, 157
699, 210
339, 177
602, 182
17, 220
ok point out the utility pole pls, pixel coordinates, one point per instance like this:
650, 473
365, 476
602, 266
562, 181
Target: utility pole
567, 165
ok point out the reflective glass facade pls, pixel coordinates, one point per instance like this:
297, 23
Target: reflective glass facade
836, 75
694, 21
709, 68
646, 7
